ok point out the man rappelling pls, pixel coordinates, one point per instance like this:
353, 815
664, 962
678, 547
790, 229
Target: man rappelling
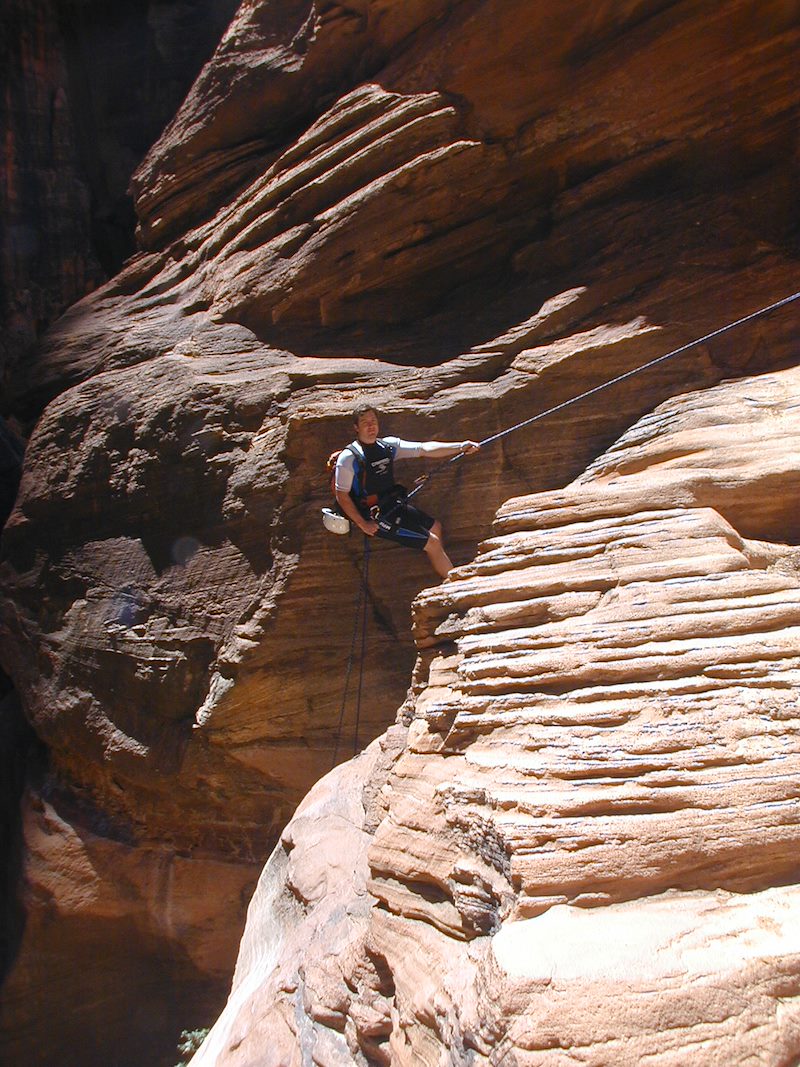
369, 497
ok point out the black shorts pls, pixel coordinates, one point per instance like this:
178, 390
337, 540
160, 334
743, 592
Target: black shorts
407, 526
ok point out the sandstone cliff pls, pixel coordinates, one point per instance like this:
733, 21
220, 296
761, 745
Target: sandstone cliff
468, 212
579, 842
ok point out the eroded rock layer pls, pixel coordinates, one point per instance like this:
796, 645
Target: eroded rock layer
467, 212
579, 842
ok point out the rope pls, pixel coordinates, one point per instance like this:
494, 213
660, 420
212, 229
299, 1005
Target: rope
363, 645
421, 482
360, 597
361, 603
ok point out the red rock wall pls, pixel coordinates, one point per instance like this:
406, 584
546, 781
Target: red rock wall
466, 213
579, 841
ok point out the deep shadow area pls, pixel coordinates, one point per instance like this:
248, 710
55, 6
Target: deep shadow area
18, 746
129, 64
128, 1009
12, 450
675, 231
472, 313
86, 87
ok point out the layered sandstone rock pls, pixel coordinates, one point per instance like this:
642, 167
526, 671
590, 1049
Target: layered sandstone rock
579, 841
463, 211
431, 199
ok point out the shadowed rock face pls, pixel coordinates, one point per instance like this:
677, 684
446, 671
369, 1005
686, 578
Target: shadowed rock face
582, 832
87, 87
466, 213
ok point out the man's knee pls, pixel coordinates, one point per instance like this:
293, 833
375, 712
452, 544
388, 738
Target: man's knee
434, 543
436, 529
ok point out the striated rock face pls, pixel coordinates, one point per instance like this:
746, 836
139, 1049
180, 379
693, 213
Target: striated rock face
467, 212
579, 841
432, 196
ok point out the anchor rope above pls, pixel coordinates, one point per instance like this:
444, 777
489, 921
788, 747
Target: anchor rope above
425, 478
361, 603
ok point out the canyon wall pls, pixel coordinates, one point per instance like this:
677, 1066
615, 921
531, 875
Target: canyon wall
578, 843
464, 212
86, 89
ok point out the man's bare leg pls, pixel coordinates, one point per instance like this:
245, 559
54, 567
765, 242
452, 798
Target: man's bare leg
434, 549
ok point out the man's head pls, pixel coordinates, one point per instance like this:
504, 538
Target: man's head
365, 420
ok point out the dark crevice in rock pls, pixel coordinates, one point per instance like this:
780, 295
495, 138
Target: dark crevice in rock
12, 450
129, 66
19, 748
88, 86
151, 1006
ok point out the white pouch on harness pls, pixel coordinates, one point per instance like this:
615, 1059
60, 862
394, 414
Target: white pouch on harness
334, 522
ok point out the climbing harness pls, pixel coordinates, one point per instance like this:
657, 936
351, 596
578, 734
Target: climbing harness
333, 519
423, 480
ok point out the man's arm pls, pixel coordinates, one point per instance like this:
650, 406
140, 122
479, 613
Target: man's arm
345, 502
443, 449
434, 449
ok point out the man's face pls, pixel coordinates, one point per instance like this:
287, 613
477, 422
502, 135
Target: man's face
367, 428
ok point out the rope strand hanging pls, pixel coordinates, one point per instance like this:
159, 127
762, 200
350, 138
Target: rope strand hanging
360, 617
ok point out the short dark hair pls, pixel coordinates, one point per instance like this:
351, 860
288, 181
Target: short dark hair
362, 409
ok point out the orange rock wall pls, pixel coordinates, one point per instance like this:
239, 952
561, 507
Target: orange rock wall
579, 841
466, 212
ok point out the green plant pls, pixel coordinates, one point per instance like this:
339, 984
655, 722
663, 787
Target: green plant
189, 1042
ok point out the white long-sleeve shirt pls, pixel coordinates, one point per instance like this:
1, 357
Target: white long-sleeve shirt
345, 464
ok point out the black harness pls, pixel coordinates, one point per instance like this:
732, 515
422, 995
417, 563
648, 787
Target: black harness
374, 488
